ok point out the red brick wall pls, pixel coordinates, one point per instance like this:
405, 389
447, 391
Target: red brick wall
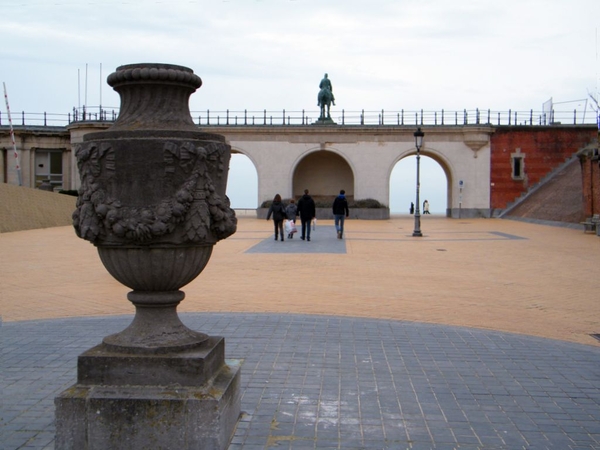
590, 172
543, 150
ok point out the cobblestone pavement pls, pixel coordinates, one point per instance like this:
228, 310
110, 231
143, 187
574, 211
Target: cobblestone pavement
477, 335
344, 383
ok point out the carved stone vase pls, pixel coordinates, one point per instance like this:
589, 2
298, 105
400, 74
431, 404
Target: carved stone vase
152, 200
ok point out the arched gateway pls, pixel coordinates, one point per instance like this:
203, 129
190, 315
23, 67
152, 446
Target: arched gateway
361, 159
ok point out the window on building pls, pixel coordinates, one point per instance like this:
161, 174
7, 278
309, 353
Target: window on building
48, 166
517, 163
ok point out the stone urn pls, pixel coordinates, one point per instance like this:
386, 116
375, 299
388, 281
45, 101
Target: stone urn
152, 200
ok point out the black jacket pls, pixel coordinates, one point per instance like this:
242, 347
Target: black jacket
278, 211
340, 206
306, 207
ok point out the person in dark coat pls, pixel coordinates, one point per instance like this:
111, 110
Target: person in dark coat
412, 208
278, 211
340, 212
307, 212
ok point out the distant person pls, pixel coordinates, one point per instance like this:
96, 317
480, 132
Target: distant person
412, 208
278, 211
307, 212
291, 211
340, 212
426, 207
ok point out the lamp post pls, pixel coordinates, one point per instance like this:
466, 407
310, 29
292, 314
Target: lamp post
418, 143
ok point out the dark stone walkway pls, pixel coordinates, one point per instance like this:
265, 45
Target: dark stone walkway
314, 382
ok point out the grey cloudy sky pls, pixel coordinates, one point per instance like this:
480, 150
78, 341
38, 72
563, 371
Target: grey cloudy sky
271, 54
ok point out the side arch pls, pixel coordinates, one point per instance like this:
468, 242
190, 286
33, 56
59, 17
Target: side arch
242, 181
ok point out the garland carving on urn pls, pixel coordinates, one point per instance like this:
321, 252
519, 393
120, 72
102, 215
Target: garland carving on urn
193, 212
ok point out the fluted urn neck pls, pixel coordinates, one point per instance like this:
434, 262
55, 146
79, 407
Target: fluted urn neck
154, 96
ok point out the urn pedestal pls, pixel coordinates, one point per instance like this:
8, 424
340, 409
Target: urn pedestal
152, 200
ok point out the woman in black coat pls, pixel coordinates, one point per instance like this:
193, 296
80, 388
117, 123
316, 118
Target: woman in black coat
278, 211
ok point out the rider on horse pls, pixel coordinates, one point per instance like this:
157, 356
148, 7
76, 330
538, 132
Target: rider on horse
326, 84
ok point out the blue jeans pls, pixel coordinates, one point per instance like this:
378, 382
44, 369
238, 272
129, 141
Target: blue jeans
339, 223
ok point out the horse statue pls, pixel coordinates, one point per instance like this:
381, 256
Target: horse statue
324, 99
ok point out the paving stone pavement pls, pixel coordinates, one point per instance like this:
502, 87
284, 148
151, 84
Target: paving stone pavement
476, 336
318, 382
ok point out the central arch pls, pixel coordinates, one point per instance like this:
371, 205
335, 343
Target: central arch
442, 165
323, 173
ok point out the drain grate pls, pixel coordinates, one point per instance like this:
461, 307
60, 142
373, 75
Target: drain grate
595, 336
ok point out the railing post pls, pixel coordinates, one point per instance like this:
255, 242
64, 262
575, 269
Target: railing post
382, 119
45, 123
442, 117
227, 117
362, 117
421, 117
265, 116
303, 117
489, 121
476, 116
435, 118
23, 117
509, 116
207, 117
574, 117
245, 117
402, 116
284, 116
530, 117
398, 119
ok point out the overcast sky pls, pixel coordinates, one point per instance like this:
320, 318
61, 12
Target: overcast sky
271, 54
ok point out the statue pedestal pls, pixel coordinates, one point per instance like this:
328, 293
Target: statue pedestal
326, 121
183, 400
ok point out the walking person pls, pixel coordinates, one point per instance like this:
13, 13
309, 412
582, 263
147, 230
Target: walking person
412, 208
307, 212
278, 211
290, 212
340, 212
426, 207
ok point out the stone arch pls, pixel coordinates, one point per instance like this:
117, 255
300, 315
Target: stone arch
323, 173
242, 184
443, 162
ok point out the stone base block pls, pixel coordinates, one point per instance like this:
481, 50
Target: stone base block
102, 366
101, 417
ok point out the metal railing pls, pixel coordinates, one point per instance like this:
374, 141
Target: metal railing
340, 117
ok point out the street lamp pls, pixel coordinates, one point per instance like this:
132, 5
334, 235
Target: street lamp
418, 143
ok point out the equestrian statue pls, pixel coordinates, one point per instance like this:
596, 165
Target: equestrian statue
325, 99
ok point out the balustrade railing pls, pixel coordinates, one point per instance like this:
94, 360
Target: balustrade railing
341, 117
